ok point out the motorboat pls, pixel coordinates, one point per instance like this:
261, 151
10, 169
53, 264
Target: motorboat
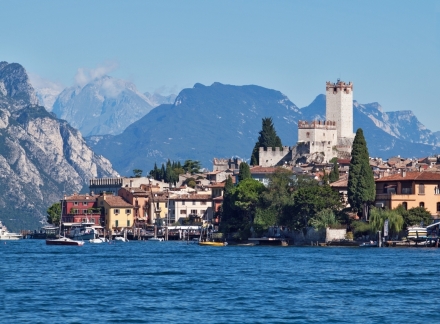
5, 235
120, 239
417, 233
369, 244
158, 239
98, 240
210, 243
83, 231
64, 241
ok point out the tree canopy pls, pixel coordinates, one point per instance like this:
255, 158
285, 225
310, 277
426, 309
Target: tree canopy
268, 138
244, 171
415, 216
54, 214
361, 186
378, 217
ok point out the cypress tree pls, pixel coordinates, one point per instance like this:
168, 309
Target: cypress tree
268, 138
162, 173
334, 173
244, 171
361, 186
227, 210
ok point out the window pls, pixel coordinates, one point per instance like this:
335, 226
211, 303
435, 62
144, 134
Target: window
194, 202
385, 188
421, 204
116, 211
406, 191
437, 190
75, 203
194, 211
307, 134
128, 211
84, 220
183, 202
92, 220
183, 212
438, 206
405, 205
202, 212
421, 189
116, 223
84, 203
203, 203
84, 211
128, 223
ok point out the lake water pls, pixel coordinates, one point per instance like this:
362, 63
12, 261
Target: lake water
163, 282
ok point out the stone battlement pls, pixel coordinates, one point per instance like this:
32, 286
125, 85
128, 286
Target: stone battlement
339, 85
317, 124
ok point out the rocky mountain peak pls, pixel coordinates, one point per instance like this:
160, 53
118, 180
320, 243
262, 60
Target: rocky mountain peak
14, 83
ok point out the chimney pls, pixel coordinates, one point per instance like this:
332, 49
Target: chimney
403, 174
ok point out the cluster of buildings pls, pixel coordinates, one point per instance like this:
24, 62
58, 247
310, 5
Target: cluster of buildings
120, 203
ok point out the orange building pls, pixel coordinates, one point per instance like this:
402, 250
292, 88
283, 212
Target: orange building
410, 189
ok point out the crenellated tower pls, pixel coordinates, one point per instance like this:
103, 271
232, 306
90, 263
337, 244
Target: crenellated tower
339, 107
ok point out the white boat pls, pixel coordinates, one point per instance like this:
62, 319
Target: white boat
98, 240
159, 239
83, 231
416, 233
5, 235
64, 241
120, 239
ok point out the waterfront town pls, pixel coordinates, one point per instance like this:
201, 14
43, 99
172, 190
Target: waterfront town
191, 204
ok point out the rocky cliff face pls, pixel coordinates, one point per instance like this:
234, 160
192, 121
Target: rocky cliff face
40, 155
103, 106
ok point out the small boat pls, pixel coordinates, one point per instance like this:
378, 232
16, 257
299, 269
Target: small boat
158, 239
5, 235
64, 241
210, 243
83, 231
120, 239
369, 244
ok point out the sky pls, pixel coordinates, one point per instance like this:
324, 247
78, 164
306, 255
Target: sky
388, 49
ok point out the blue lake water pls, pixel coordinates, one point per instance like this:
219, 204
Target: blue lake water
163, 282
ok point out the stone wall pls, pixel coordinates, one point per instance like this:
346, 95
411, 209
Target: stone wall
272, 156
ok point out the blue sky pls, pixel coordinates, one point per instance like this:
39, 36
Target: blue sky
388, 49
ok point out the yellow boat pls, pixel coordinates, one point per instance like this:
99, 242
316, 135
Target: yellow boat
213, 243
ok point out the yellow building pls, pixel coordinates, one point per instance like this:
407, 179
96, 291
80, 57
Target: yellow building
118, 213
410, 189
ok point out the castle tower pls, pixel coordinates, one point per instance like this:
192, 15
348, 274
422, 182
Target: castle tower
339, 107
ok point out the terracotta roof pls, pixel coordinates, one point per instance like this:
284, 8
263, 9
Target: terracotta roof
411, 175
216, 185
116, 201
343, 161
191, 197
260, 169
219, 198
135, 191
76, 197
341, 183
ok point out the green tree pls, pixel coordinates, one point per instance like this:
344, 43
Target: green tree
54, 214
268, 138
415, 216
308, 202
243, 200
361, 186
274, 201
323, 219
378, 217
244, 171
334, 173
191, 166
137, 173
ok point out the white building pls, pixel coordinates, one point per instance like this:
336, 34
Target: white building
184, 205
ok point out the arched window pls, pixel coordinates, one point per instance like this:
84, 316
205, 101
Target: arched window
405, 205
421, 204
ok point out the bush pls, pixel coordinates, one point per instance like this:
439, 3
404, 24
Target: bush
349, 236
360, 228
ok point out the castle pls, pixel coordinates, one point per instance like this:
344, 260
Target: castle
320, 141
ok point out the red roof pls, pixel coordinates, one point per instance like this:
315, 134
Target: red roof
411, 176
260, 169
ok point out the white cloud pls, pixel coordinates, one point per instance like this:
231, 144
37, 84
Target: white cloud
85, 75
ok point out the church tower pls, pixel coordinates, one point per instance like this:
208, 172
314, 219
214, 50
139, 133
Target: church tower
339, 107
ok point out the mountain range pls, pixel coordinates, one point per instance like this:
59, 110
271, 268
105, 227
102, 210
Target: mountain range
224, 120
40, 155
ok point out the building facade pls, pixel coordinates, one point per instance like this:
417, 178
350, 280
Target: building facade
410, 189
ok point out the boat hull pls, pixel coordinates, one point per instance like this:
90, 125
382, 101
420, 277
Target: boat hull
64, 241
10, 237
212, 243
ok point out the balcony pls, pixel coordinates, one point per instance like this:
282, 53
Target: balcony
393, 196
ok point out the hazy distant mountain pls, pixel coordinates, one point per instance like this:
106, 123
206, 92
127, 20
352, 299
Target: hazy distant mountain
40, 155
157, 99
204, 122
104, 106
224, 120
